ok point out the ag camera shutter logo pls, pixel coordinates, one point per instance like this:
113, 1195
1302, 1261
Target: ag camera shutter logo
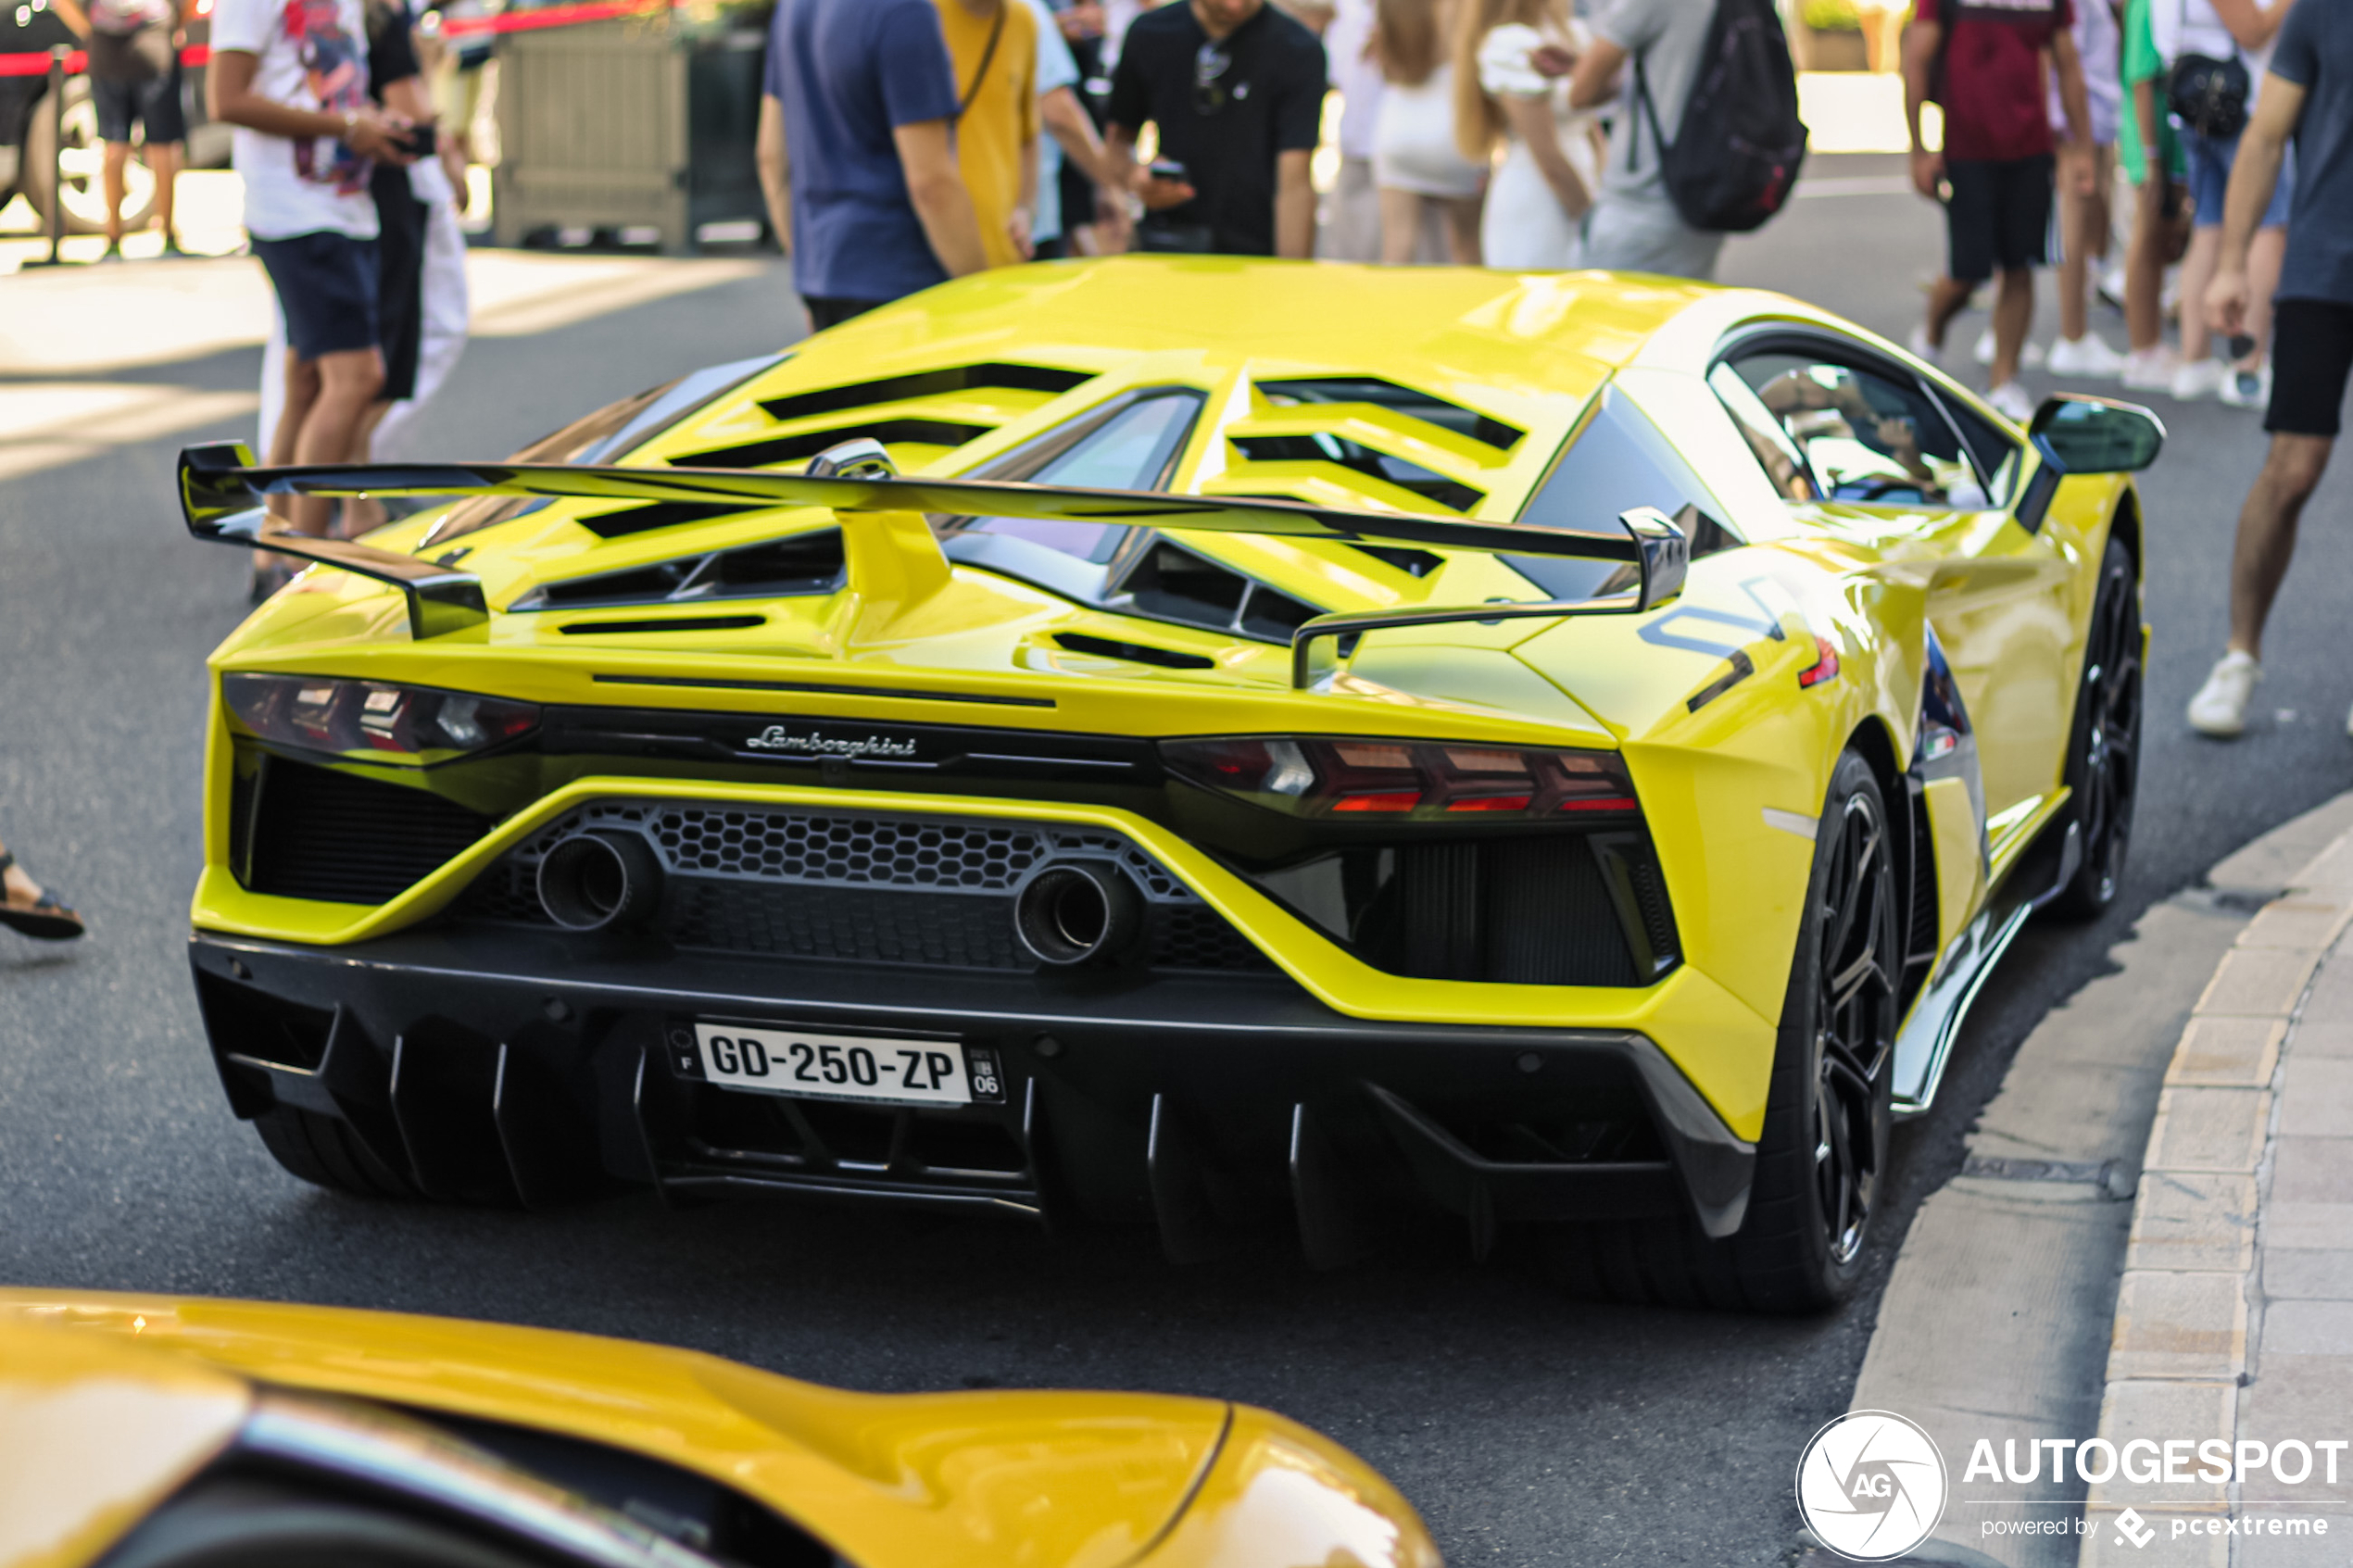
1871, 1485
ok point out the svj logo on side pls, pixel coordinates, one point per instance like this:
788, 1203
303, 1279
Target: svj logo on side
1871, 1485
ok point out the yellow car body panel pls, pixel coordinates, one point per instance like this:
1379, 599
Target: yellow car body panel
991, 1479
93, 1436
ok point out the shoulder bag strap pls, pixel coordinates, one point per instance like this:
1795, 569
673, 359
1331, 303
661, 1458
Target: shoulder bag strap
1650, 112
988, 57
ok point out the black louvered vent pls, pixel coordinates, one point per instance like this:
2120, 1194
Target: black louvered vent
1557, 909
1919, 946
319, 833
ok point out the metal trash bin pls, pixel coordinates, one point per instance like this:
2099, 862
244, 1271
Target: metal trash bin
641, 122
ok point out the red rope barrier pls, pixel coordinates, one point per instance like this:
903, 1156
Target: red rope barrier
37, 64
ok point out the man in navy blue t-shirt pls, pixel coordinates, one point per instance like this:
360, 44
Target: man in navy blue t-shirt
858, 154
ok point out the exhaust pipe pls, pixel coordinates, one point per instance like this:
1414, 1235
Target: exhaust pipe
599, 881
1074, 912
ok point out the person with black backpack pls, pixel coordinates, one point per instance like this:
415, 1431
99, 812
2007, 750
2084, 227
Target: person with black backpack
1983, 61
1719, 73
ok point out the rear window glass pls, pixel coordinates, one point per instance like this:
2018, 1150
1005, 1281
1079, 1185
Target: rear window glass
1131, 449
1617, 461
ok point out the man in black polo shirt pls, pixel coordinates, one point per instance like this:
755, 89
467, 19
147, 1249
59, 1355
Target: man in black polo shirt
1236, 89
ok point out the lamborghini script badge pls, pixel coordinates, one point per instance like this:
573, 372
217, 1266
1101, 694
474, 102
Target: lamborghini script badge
775, 737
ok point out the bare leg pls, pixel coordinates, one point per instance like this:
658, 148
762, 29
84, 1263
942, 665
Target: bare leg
165, 161
302, 391
2267, 532
2197, 270
2083, 225
1462, 229
2145, 269
2013, 315
349, 380
364, 513
1401, 226
112, 158
1947, 298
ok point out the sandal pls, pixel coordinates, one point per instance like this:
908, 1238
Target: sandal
44, 919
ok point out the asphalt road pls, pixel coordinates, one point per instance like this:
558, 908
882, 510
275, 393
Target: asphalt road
1528, 1429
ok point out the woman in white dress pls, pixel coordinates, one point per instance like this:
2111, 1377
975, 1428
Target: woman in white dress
1415, 155
1511, 63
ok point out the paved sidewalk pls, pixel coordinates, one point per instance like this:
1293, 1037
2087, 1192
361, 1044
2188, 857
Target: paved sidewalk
2234, 1318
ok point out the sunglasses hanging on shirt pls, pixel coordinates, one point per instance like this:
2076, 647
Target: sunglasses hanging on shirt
1210, 94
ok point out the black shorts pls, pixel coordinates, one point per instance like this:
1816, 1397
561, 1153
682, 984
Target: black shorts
134, 79
2311, 355
1999, 215
326, 285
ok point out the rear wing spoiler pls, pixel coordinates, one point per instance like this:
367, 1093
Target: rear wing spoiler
222, 495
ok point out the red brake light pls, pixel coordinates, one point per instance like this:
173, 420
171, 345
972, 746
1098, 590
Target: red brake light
1315, 776
1380, 800
1824, 668
397, 723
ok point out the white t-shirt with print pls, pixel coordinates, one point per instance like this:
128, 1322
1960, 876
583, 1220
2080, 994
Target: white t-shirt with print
313, 55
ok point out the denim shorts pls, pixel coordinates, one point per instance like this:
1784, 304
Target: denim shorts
2208, 159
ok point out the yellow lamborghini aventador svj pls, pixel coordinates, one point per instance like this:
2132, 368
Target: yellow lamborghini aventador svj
1187, 741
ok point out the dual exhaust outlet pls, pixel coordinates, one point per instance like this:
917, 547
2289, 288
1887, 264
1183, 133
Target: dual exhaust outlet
1067, 914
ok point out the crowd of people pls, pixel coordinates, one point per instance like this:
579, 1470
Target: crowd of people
904, 142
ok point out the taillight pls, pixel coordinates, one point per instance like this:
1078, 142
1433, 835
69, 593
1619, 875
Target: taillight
1424, 781
372, 719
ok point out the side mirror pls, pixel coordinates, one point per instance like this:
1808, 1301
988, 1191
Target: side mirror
2081, 434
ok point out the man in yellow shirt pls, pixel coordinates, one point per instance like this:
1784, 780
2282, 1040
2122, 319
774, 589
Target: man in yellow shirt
994, 46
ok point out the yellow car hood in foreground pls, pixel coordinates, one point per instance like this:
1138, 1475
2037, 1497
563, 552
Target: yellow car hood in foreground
1039, 1480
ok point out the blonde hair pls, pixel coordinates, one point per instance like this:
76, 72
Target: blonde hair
1479, 118
1406, 31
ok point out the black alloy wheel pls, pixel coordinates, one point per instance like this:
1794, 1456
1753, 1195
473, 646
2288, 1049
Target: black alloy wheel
1822, 1156
2103, 750
1859, 963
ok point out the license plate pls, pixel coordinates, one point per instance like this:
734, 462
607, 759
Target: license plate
793, 1062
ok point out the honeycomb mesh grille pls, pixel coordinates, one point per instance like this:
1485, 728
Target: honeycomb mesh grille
914, 890
772, 847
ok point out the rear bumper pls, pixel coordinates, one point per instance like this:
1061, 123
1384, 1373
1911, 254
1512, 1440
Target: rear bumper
530, 1066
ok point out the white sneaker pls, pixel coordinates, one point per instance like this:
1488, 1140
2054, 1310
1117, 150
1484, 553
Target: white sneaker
2219, 708
2248, 389
2088, 355
2194, 378
2030, 357
2012, 402
1923, 350
2150, 369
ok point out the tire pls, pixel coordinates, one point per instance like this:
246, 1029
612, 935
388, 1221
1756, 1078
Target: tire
1822, 1162
85, 193
328, 1153
2104, 745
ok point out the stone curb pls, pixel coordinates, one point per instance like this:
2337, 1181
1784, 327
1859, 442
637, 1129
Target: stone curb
2188, 1309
